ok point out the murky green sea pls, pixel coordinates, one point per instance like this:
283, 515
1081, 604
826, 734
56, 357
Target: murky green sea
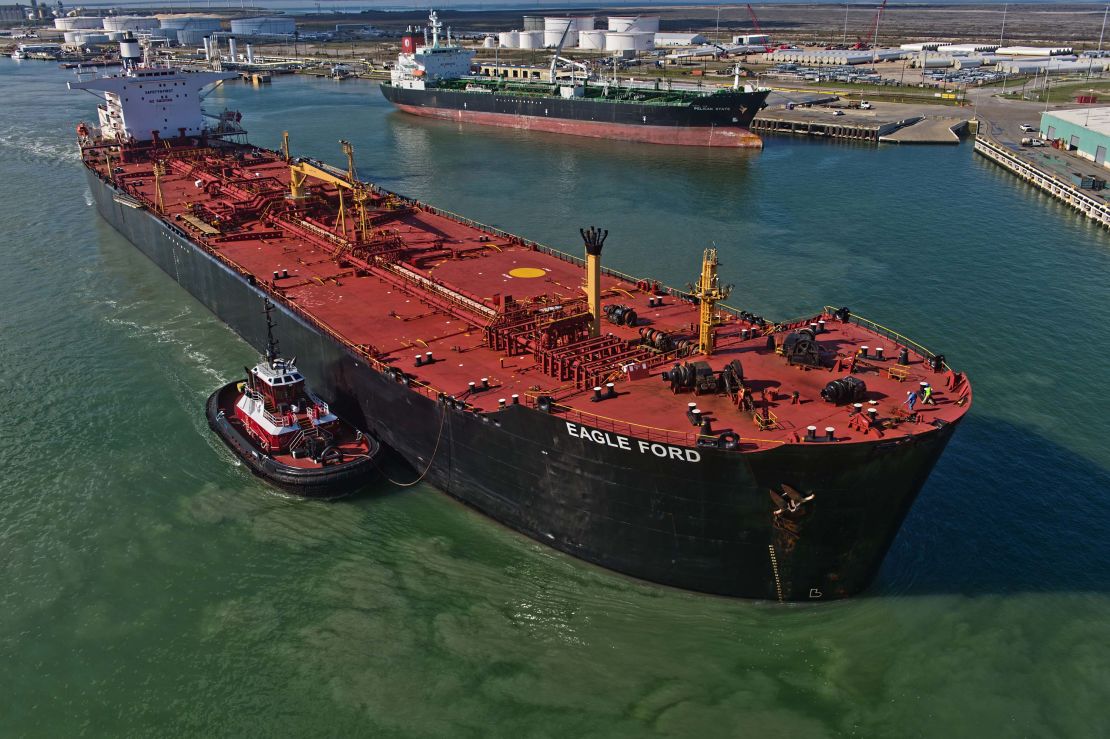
151, 587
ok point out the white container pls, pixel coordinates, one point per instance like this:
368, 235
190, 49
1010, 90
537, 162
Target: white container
509, 39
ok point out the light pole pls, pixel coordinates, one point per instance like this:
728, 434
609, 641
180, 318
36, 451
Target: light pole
1002, 35
1100, 36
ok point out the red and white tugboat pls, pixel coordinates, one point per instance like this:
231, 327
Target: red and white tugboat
286, 434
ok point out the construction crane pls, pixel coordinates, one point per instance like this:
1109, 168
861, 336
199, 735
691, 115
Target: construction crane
755, 20
872, 34
758, 30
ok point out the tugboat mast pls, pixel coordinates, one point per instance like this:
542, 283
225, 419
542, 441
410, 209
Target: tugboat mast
271, 342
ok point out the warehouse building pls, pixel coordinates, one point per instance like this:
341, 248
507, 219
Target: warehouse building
1085, 131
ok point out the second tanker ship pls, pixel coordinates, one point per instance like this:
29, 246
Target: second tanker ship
435, 80
650, 430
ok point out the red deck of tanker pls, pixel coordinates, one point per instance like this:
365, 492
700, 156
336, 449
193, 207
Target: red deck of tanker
418, 280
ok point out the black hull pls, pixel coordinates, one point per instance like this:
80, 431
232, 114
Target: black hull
722, 109
333, 481
708, 525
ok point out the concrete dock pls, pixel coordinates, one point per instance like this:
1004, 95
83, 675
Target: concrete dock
928, 131
1046, 170
885, 122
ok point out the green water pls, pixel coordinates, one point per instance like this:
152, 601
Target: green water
149, 586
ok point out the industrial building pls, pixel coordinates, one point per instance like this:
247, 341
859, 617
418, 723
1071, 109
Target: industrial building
1086, 131
752, 39
12, 13
679, 39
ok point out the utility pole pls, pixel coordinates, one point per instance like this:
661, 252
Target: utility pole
1002, 35
845, 22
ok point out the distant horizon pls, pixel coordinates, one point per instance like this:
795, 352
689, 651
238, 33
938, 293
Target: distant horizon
301, 7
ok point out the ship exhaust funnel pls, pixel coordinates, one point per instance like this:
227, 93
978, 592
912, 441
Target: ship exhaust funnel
593, 239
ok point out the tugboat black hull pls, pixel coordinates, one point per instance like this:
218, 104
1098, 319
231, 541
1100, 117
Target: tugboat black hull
332, 481
709, 524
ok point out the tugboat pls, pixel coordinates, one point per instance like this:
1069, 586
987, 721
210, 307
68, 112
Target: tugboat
286, 434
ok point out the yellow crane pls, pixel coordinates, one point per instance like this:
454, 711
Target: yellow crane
708, 292
299, 172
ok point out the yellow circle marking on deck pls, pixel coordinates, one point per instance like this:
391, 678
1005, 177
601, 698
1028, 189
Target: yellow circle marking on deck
527, 272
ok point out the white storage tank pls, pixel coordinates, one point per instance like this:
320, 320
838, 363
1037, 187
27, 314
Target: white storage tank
85, 38
531, 39
130, 23
192, 36
188, 21
554, 28
263, 26
592, 40
509, 39
636, 41
77, 23
551, 39
489, 42
631, 23
117, 35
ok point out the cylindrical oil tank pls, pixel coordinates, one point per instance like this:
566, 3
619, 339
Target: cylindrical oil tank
531, 39
85, 38
489, 42
263, 26
76, 23
551, 39
554, 29
533, 23
191, 36
509, 39
631, 23
117, 35
620, 41
593, 40
189, 21
130, 23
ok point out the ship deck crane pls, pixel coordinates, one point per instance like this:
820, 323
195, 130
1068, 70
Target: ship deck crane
709, 292
300, 171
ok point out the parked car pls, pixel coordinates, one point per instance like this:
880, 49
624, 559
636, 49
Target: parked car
1026, 127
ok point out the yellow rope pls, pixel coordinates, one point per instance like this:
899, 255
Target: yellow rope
439, 438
